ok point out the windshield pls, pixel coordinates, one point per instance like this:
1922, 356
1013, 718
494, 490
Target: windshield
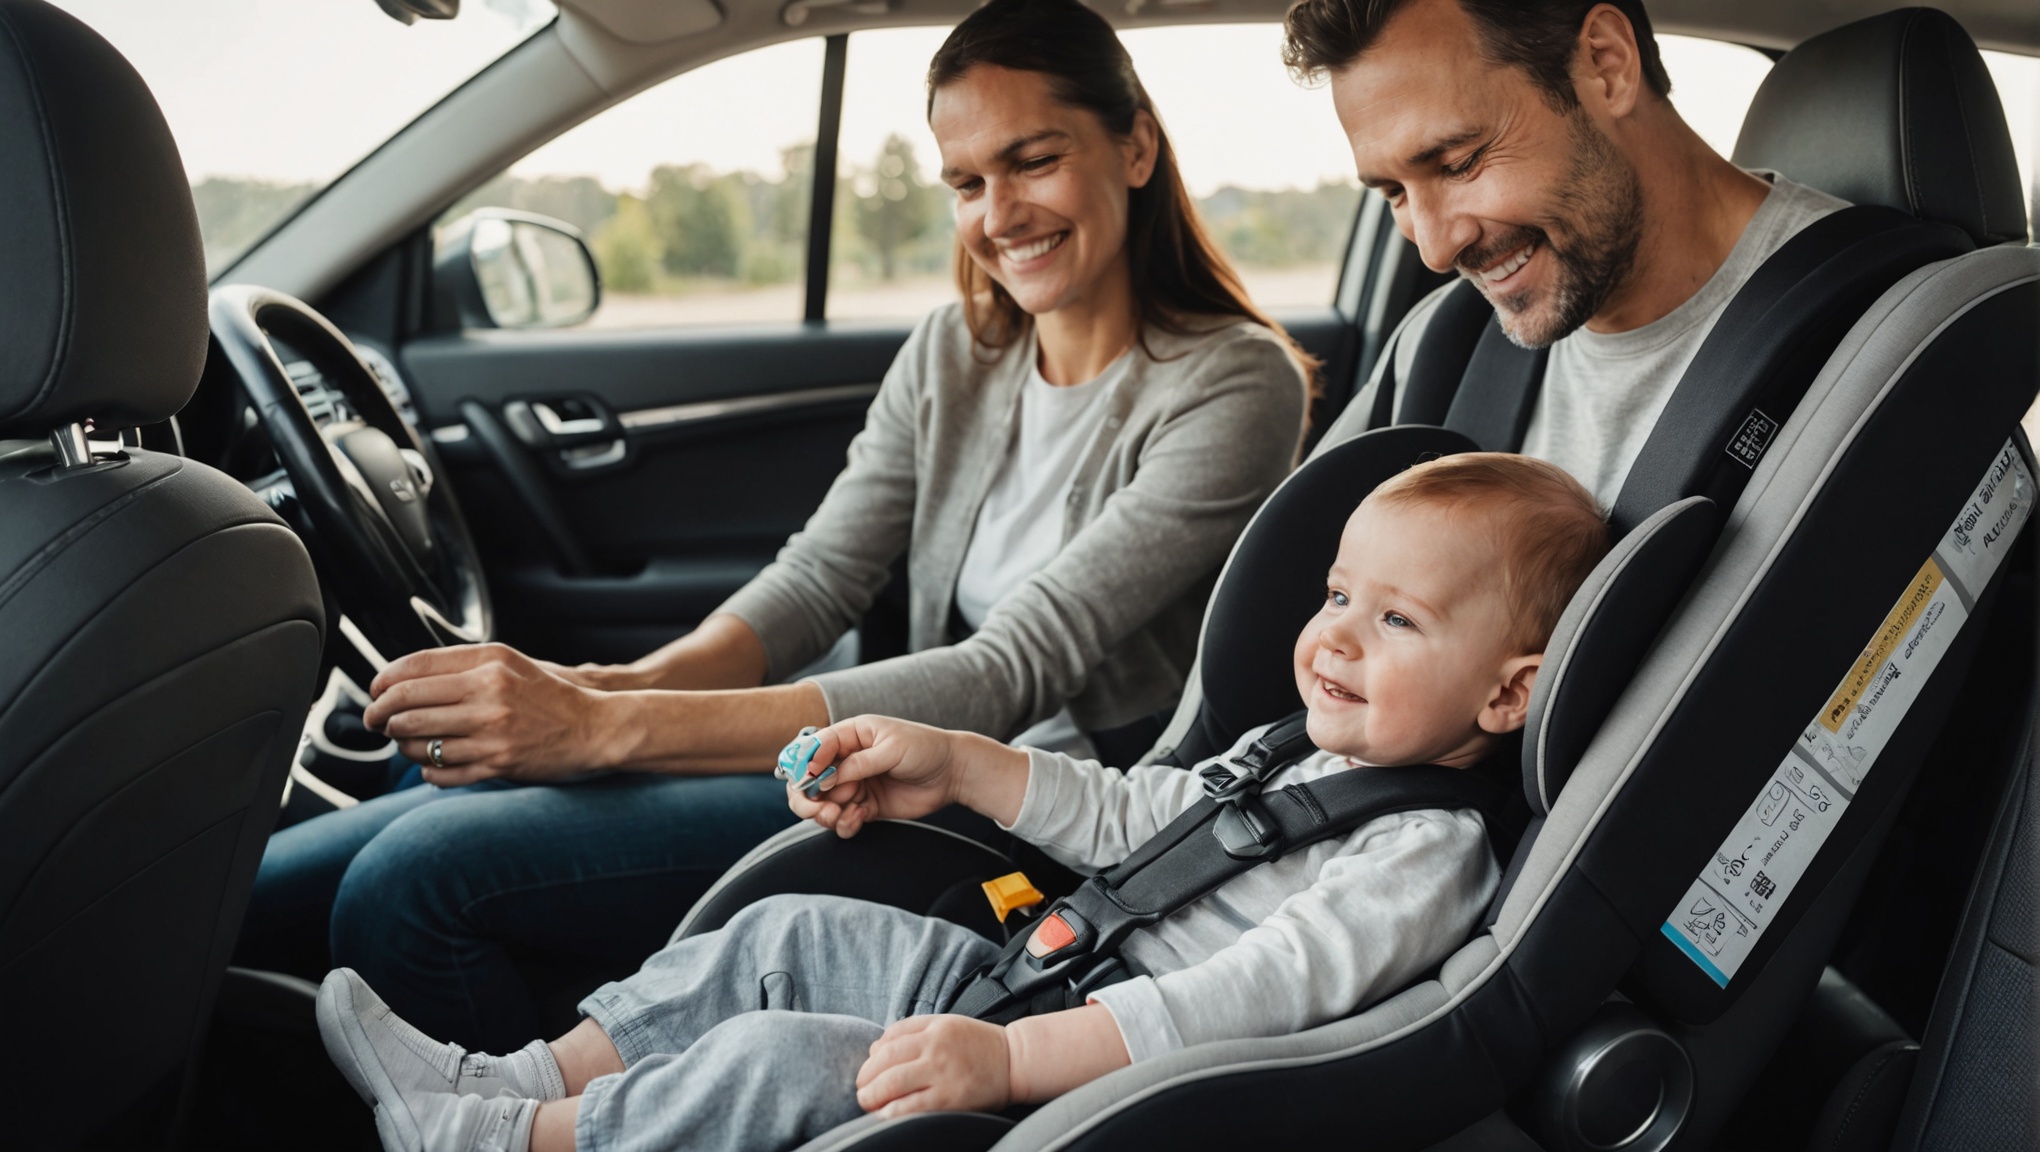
270, 101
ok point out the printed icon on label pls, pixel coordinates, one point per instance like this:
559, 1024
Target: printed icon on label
1732, 867
1707, 925
1773, 803
1845, 761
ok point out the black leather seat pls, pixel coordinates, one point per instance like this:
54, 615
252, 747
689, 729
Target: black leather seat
161, 626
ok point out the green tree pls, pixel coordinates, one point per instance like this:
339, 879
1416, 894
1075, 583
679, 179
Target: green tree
899, 206
627, 247
696, 220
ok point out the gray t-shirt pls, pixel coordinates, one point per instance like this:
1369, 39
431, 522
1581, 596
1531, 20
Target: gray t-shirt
1603, 391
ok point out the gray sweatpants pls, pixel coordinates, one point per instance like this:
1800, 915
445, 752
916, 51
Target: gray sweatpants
751, 1036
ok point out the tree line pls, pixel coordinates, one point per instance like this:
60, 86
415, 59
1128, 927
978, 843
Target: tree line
692, 227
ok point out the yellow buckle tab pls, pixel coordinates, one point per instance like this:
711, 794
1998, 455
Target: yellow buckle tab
1011, 892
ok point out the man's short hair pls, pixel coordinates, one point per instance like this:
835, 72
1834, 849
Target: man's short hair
1538, 36
1547, 528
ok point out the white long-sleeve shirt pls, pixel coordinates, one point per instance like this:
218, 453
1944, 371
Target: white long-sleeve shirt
1286, 946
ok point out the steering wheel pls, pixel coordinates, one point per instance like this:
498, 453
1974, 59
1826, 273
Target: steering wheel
386, 535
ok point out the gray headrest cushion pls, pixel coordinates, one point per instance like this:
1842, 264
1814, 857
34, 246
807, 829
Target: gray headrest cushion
1604, 635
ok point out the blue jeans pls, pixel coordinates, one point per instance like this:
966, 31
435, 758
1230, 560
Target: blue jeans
427, 892
750, 1037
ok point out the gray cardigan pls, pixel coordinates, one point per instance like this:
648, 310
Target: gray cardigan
1197, 436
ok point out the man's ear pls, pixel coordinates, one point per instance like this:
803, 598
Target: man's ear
1142, 147
1608, 69
1509, 706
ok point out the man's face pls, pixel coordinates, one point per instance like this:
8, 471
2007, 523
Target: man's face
1537, 207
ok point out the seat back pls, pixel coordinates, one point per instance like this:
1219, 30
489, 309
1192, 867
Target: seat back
162, 626
1974, 1086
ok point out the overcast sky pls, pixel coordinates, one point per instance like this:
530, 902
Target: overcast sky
297, 90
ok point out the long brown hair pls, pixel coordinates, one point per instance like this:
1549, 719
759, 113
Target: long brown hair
1178, 274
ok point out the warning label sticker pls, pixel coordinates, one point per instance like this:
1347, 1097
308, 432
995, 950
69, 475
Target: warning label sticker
1719, 920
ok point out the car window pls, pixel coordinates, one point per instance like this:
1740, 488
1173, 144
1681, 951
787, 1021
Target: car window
693, 195
336, 78
1261, 156
2018, 85
891, 238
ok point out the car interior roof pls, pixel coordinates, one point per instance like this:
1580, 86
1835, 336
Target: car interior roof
2007, 25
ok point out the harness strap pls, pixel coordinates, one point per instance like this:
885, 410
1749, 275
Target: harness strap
1444, 352
1073, 947
1499, 391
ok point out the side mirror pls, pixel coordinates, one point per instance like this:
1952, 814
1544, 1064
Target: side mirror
495, 268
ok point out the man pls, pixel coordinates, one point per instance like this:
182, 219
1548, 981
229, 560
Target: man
1531, 146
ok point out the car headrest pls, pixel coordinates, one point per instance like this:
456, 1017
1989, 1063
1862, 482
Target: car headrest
1603, 636
102, 275
1896, 110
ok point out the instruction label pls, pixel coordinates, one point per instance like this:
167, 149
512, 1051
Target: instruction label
1730, 903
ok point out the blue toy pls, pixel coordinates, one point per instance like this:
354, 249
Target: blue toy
793, 763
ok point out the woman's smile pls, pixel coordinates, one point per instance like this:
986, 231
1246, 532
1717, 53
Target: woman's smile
1030, 255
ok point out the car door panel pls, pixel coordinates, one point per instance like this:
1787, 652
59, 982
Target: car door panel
731, 436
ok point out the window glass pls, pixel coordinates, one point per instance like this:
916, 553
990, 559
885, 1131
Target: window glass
693, 195
1713, 83
895, 222
1263, 156
2018, 85
269, 102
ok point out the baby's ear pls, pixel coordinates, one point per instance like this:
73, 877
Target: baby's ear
1509, 706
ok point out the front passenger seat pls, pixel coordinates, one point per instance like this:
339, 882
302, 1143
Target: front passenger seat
160, 626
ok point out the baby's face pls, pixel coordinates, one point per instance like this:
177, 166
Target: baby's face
1403, 663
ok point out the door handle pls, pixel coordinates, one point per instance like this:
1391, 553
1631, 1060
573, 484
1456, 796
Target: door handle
572, 434
564, 427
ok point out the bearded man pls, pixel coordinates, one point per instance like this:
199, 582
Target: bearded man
1532, 147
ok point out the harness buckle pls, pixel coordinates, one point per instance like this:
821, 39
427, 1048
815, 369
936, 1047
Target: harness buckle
1059, 936
1246, 830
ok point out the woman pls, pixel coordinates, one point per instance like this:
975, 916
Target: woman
1065, 458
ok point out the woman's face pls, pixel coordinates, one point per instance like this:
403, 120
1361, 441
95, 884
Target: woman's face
1041, 187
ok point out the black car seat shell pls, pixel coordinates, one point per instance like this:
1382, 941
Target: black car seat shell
162, 626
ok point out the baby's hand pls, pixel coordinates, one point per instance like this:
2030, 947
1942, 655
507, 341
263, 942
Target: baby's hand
870, 768
936, 1064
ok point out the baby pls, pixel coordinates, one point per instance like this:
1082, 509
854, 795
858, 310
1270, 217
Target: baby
804, 1011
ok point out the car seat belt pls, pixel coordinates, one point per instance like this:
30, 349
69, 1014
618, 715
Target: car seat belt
1444, 351
1498, 392
1466, 376
1073, 948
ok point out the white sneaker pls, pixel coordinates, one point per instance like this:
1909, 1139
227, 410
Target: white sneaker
442, 1123
387, 1060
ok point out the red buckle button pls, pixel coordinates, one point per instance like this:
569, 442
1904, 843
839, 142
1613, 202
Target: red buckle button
1050, 936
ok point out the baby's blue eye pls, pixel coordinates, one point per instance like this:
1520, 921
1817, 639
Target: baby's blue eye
1337, 598
1397, 620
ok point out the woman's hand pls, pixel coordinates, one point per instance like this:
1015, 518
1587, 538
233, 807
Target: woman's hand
599, 677
886, 769
495, 711
936, 1064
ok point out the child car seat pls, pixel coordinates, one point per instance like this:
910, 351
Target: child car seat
1676, 741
